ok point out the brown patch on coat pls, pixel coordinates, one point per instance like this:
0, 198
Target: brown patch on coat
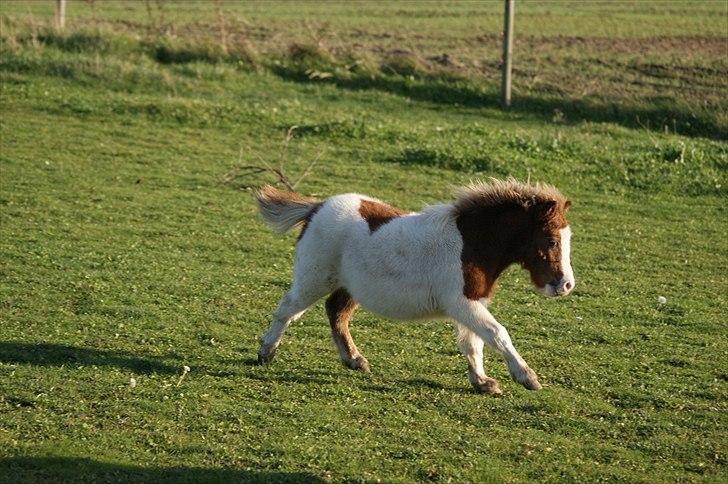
508, 222
543, 261
487, 246
377, 214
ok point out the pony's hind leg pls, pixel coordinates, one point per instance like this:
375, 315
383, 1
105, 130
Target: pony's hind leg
471, 346
312, 280
339, 308
291, 307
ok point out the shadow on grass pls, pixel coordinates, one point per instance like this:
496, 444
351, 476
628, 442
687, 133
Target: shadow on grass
72, 469
351, 378
48, 354
313, 378
654, 115
424, 383
251, 362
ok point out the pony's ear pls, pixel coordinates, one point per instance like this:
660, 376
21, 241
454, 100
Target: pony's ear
567, 205
544, 210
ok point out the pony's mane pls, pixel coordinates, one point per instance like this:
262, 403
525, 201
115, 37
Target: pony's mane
496, 193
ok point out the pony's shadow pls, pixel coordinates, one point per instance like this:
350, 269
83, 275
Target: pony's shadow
421, 384
78, 469
424, 383
334, 377
251, 362
308, 376
50, 354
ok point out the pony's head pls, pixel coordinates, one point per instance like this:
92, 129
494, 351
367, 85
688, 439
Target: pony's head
506, 221
547, 255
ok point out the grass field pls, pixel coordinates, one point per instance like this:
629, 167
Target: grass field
130, 245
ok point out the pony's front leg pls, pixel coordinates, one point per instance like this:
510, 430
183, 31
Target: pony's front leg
476, 317
471, 345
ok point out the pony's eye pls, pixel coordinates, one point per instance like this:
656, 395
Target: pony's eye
553, 243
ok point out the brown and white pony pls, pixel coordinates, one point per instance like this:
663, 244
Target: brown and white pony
441, 262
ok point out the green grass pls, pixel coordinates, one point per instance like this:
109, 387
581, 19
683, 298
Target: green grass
130, 247
655, 65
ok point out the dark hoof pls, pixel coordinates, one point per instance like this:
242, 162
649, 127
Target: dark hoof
359, 363
529, 380
265, 358
488, 386
532, 385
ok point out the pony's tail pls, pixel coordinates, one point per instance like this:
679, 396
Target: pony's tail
284, 210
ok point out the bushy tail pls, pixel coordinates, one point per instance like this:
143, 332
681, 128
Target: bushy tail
284, 210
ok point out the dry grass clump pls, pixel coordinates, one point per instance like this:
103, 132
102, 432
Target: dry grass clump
38, 34
309, 53
403, 63
172, 50
362, 63
242, 51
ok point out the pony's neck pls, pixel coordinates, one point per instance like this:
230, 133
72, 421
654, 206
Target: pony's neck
493, 239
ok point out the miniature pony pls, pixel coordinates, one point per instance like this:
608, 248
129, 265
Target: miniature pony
441, 262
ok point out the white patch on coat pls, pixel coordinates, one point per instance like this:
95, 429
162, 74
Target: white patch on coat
383, 270
568, 280
566, 284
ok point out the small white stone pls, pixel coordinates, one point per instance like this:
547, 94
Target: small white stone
661, 299
132, 382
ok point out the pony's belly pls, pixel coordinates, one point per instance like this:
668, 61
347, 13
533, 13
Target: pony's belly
400, 313
396, 304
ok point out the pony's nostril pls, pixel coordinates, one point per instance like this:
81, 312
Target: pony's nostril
568, 286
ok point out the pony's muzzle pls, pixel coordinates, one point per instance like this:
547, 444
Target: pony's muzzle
562, 287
